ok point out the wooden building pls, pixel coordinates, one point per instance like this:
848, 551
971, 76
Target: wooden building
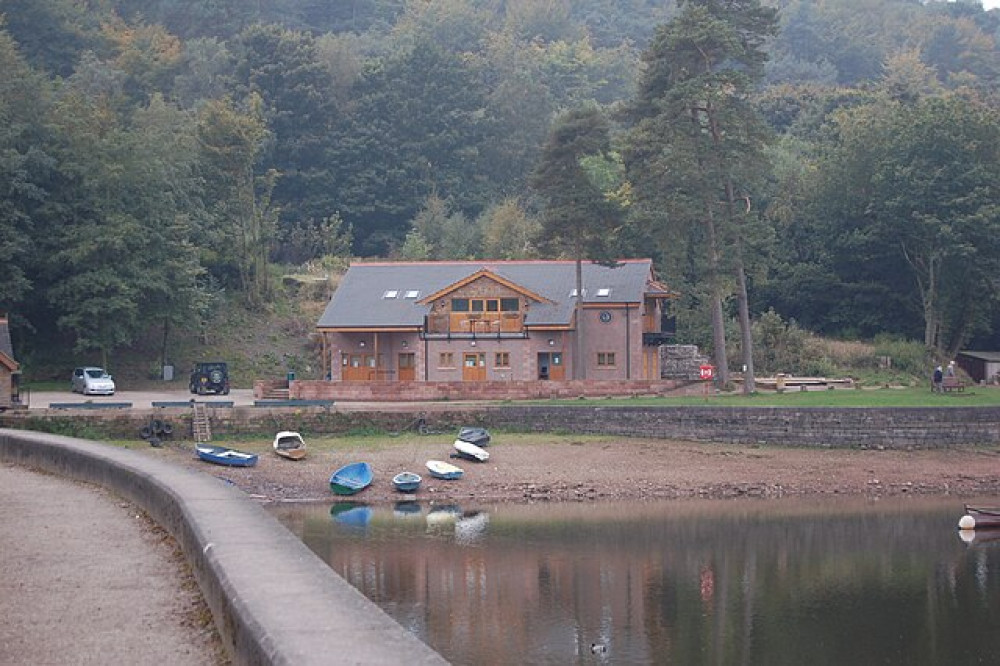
476, 321
981, 366
9, 369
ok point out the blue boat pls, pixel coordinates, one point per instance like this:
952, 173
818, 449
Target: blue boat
220, 455
406, 482
352, 478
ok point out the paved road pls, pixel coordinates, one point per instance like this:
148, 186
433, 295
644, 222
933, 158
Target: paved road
85, 579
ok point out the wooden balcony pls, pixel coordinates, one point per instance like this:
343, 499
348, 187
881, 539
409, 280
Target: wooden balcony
474, 323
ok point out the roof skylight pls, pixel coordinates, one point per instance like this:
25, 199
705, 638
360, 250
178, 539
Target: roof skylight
390, 293
604, 292
412, 293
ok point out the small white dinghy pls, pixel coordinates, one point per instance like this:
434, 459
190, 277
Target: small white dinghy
470, 451
288, 444
442, 470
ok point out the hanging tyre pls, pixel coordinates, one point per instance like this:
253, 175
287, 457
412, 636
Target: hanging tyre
145, 432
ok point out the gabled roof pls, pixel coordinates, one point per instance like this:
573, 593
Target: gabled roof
486, 273
6, 348
394, 295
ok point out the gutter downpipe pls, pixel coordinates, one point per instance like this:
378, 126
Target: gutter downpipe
628, 344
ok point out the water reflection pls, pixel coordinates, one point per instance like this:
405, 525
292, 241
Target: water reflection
351, 514
678, 583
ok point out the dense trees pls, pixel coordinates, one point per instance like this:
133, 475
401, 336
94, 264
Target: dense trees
697, 146
191, 144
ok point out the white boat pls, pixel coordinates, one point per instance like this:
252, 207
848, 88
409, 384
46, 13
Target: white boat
288, 444
470, 451
442, 470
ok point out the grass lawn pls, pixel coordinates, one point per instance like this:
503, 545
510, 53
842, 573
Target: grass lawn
973, 396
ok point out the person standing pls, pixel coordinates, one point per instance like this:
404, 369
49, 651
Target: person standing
937, 380
950, 370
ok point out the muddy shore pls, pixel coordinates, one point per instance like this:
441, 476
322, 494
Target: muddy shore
532, 468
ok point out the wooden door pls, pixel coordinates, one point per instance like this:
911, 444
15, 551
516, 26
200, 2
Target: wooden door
358, 367
557, 371
474, 367
407, 367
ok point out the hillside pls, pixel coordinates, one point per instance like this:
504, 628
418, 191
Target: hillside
255, 343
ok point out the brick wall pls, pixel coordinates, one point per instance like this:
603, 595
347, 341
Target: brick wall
497, 390
809, 427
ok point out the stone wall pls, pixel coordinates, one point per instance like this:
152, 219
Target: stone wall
681, 362
900, 428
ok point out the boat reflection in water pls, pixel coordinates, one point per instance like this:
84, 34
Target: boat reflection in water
685, 582
406, 509
352, 514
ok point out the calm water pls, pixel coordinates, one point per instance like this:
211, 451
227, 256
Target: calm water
674, 583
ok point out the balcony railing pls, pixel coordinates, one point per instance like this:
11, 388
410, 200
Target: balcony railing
473, 323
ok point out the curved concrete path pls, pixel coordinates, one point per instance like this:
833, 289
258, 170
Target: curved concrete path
86, 579
272, 599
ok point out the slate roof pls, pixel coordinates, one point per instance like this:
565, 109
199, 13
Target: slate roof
360, 299
988, 356
5, 345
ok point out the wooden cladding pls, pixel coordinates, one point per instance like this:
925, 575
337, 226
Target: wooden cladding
475, 322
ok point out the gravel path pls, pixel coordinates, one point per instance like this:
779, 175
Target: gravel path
85, 578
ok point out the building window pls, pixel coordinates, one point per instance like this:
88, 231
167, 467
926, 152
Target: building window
509, 305
502, 360
605, 359
446, 360
459, 305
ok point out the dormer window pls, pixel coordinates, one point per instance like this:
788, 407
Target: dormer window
390, 293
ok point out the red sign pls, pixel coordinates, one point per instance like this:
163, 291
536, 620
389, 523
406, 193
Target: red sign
706, 371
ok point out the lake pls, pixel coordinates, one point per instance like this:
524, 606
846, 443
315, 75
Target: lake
690, 582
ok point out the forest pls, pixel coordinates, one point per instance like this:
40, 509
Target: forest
825, 164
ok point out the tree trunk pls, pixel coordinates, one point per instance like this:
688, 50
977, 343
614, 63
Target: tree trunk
163, 347
718, 321
746, 332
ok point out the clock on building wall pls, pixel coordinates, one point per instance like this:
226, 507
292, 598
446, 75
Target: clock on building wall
605, 316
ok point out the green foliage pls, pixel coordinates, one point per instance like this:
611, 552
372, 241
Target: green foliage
779, 346
192, 142
905, 356
509, 232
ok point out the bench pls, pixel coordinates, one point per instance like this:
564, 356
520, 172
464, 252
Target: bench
90, 405
189, 403
293, 402
952, 384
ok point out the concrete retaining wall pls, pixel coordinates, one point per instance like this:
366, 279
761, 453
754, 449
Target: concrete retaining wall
273, 600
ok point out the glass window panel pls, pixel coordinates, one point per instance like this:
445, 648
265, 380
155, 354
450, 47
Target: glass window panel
509, 305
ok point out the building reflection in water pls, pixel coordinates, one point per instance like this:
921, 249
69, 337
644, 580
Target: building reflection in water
680, 583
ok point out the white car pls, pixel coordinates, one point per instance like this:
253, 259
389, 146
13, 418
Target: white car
92, 381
